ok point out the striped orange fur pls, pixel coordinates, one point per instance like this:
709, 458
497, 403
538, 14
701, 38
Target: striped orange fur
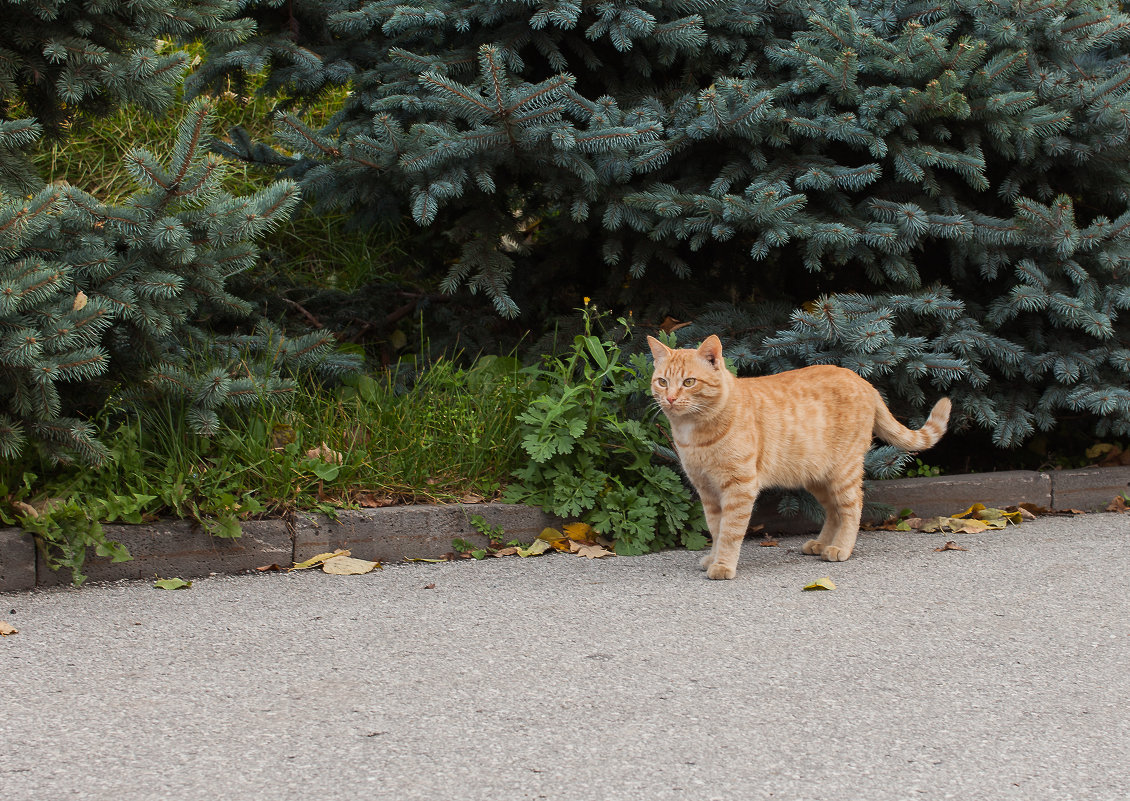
805, 428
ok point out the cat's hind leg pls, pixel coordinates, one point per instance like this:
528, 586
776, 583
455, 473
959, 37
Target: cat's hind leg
827, 531
843, 507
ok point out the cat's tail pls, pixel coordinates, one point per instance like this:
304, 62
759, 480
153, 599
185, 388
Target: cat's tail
891, 430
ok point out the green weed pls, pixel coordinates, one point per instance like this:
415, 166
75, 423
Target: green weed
593, 443
435, 434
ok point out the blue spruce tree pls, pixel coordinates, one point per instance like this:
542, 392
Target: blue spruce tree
937, 191
95, 298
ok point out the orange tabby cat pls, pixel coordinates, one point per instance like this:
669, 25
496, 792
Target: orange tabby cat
805, 428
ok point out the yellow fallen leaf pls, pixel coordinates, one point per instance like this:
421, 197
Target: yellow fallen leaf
958, 526
579, 532
1101, 449
348, 566
825, 583
537, 548
314, 561
972, 511
7, 628
555, 538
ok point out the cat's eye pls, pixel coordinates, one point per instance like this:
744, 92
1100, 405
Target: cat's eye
661, 381
688, 382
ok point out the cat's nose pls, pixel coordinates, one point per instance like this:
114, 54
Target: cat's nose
670, 400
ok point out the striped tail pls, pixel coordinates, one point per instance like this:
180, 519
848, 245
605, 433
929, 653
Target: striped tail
891, 430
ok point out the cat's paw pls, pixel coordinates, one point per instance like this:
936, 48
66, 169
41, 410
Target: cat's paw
833, 554
720, 572
706, 561
812, 547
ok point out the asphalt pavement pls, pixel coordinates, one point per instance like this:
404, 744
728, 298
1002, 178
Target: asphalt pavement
997, 672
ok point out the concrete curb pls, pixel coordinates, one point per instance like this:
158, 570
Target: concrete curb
391, 534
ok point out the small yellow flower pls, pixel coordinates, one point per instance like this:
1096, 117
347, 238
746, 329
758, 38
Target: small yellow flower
587, 300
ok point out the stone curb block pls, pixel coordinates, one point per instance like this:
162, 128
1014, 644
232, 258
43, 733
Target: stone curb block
180, 548
395, 533
1090, 489
17, 560
947, 495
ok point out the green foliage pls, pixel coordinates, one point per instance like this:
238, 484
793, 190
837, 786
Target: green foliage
62, 57
437, 434
95, 295
922, 470
594, 445
947, 183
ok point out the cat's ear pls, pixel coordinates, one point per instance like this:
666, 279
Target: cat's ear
711, 350
658, 349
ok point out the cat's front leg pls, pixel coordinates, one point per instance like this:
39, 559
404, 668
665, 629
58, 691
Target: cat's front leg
712, 510
737, 506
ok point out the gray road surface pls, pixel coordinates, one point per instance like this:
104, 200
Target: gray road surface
1000, 672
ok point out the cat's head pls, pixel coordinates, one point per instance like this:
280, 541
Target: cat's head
688, 380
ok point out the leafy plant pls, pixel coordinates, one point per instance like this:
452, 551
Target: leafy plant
434, 434
922, 470
594, 447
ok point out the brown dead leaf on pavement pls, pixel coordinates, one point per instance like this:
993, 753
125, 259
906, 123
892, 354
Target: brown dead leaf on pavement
7, 628
1118, 504
591, 551
951, 546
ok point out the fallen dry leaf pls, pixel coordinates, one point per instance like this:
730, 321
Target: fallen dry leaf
1118, 504
951, 546
431, 586
592, 551
825, 583
537, 548
670, 324
7, 628
769, 543
472, 497
507, 551
370, 500
172, 584
314, 561
348, 566
325, 453
579, 532
266, 568
80, 301
553, 538
25, 509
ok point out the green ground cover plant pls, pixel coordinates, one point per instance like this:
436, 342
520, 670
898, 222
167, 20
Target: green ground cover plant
443, 433
598, 449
